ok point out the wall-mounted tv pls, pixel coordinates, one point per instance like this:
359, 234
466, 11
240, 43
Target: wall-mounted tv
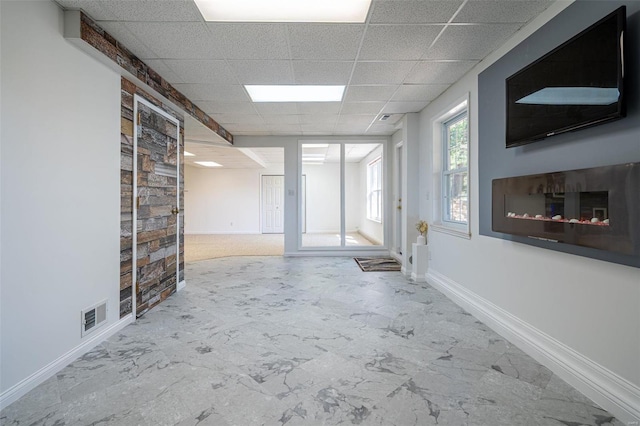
576, 85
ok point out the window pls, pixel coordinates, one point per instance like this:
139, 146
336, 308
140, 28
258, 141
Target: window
455, 169
374, 190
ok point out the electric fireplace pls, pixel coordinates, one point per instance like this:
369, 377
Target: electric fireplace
597, 207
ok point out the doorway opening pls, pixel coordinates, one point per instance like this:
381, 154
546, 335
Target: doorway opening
225, 212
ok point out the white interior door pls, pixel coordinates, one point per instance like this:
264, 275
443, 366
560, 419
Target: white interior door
272, 204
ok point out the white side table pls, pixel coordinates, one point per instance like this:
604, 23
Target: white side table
420, 263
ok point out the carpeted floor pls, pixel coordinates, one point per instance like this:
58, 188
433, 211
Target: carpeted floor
200, 247
213, 246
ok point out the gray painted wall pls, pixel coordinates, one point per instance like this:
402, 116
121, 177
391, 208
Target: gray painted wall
612, 143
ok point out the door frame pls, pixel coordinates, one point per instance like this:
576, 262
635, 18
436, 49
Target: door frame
301, 179
134, 228
398, 239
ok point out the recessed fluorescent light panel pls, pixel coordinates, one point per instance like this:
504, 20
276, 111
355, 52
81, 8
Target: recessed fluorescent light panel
284, 10
295, 93
188, 154
208, 163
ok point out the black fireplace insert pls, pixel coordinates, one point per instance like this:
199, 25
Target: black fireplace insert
597, 207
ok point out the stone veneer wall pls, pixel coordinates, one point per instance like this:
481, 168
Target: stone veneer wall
145, 300
99, 39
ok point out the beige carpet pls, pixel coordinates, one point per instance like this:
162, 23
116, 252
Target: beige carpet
200, 247
210, 246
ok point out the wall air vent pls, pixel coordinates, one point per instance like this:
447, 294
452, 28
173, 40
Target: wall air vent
93, 317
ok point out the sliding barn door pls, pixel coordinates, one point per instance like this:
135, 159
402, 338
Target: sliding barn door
157, 204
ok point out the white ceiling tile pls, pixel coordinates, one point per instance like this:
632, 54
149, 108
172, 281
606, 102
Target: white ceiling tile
381, 72
283, 129
322, 72
318, 127
470, 41
176, 40
369, 93
323, 119
122, 34
494, 11
201, 72
325, 41
413, 11
262, 72
276, 108
356, 120
419, 92
401, 42
350, 129
396, 71
251, 40
438, 72
239, 118
210, 92
404, 107
227, 107
319, 107
362, 107
154, 10
95, 9
280, 119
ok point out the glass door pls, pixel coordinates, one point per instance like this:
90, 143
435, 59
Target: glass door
344, 190
321, 164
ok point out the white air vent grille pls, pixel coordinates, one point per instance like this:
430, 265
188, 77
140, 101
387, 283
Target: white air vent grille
93, 317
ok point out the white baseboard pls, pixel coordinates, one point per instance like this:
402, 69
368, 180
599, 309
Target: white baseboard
23, 387
612, 392
181, 285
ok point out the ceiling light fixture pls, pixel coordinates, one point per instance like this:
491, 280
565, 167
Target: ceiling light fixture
343, 11
295, 93
188, 154
208, 163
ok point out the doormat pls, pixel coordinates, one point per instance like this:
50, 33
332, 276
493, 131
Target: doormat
377, 264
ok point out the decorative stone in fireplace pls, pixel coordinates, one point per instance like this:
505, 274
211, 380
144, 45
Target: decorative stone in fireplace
597, 207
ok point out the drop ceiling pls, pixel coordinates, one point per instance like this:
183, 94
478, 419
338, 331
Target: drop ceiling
404, 56
233, 158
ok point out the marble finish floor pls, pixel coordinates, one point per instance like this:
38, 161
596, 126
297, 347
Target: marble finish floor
304, 341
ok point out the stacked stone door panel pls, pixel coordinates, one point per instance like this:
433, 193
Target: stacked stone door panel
160, 148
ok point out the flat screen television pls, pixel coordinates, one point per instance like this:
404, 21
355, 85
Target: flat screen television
576, 85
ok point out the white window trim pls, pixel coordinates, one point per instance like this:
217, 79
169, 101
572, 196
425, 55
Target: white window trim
457, 229
377, 161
